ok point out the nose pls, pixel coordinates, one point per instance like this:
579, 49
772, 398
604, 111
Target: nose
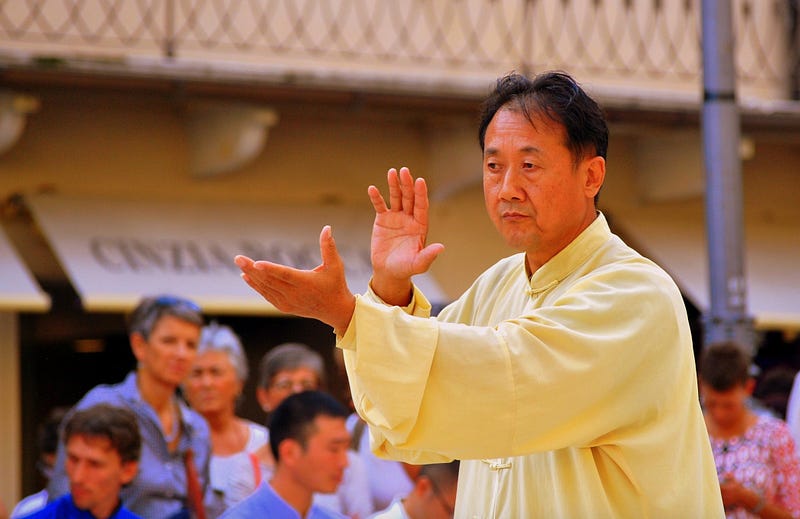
77, 472
205, 379
186, 349
510, 185
298, 387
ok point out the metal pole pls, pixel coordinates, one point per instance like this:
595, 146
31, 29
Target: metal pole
727, 317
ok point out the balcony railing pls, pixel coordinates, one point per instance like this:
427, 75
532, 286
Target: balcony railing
455, 45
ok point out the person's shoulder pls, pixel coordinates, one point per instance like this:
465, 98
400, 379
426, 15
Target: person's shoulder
198, 426
257, 503
258, 436
772, 424
30, 504
50, 510
103, 394
319, 512
124, 513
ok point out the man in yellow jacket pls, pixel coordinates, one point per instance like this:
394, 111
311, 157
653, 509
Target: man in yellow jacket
564, 378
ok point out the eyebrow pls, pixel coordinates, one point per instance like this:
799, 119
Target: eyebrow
524, 149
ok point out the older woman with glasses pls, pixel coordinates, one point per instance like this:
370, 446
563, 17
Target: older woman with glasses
173, 467
293, 368
213, 389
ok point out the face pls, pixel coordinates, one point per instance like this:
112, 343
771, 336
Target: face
725, 409
286, 383
213, 385
168, 354
96, 473
320, 465
535, 194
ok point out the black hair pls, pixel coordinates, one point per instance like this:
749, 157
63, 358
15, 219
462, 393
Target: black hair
294, 418
557, 96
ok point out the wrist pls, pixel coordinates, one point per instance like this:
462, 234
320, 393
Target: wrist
395, 292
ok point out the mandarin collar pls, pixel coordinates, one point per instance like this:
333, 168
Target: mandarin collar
570, 257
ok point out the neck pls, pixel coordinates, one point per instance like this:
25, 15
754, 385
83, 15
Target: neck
154, 392
544, 252
298, 496
733, 430
104, 511
229, 434
220, 421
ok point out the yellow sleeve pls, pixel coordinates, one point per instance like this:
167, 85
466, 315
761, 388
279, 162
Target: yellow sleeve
599, 354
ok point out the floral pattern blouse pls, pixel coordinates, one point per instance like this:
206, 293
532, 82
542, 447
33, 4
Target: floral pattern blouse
763, 459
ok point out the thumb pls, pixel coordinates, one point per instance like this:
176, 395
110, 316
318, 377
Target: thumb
426, 257
327, 248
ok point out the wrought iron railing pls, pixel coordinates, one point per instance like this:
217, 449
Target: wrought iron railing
637, 43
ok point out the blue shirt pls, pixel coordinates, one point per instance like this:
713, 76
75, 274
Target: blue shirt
64, 508
159, 490
265, 502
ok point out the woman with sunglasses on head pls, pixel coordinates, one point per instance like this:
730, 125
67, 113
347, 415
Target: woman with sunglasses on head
173, 468
213, 389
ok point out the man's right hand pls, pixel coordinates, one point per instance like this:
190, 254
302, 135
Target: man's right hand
398, 237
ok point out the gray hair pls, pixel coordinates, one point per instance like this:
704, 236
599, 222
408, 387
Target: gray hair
288, 357
219, 337
151, 309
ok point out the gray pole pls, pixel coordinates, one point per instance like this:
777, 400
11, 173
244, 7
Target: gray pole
727, 317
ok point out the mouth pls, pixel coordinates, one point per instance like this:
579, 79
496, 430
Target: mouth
513, 216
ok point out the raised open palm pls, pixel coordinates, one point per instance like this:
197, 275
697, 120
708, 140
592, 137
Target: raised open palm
399, 233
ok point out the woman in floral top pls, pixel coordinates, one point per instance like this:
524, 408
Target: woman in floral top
757, 464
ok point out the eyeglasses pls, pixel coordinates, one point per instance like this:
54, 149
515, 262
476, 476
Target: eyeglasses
442, 501
288, 384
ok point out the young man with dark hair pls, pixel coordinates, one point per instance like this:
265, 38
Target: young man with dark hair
309, 441
102, 446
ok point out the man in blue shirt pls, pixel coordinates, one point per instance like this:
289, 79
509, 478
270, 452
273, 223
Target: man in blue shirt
309, 440
102, 445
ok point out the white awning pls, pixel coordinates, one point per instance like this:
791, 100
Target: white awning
19, 292
679, 245
116, 251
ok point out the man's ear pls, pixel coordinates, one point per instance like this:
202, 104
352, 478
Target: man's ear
138, 345
595, 168
290, 452
129, 471
422, 485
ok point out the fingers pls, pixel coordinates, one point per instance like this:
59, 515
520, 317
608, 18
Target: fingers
378, 203
421, 201
395, 194
242, 261
402, 192
406, 191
